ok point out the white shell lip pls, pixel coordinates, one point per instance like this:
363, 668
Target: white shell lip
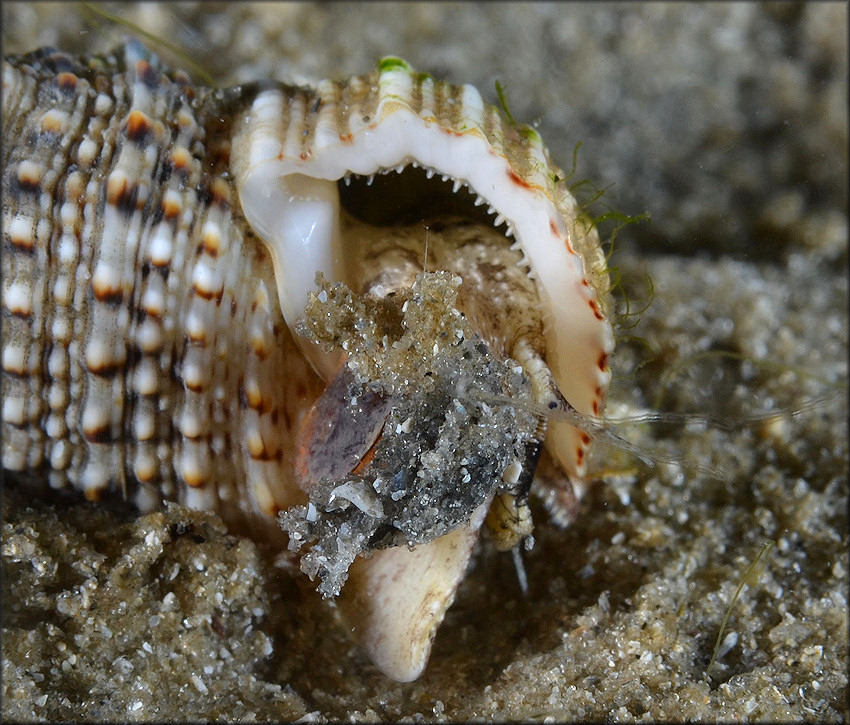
289, 152
282, 176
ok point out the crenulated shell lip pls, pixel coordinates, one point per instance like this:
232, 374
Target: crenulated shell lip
294, 145
396, 147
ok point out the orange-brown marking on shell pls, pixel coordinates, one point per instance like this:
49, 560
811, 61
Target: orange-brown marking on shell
211, 242
24, 242
145, 474
67, 81
180, 158
195, 480
106, 292
52, 123
19, 310
139, 126
347, 138
185, 119
118, 189
199, 337
220, 193
518, 180
93, 494
170, 208
257, 449
97, 434
595, 308
258, 345
602, 362
107, 369
29, 177
147, 73
207, 294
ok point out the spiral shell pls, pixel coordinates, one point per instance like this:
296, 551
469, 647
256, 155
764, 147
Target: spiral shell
160, 243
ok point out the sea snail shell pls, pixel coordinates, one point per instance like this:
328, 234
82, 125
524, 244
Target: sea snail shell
160, 240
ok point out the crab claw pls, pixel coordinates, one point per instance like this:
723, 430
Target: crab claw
334, 438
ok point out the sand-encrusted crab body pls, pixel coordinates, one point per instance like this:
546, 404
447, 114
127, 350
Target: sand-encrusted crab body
162, 240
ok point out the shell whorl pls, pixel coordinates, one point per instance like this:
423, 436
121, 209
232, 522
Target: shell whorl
142, 340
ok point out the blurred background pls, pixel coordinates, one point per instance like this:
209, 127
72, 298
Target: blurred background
727, 122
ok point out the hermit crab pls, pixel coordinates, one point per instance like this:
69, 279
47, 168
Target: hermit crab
336, 315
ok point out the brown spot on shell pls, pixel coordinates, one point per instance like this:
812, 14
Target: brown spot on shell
22, 241
220, 193
595, 308
93, 494
106, 369
207, 294
211, 243
170, 208
194, 479
257, 449
180, 160
254, 398
195, 387
145, 475
258, 345
29, 177
519, 181
53, 123
147, 74
121, 192
139, 127
199, 337
602, 362
106, 292
23, 313
99, 434
67, 82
